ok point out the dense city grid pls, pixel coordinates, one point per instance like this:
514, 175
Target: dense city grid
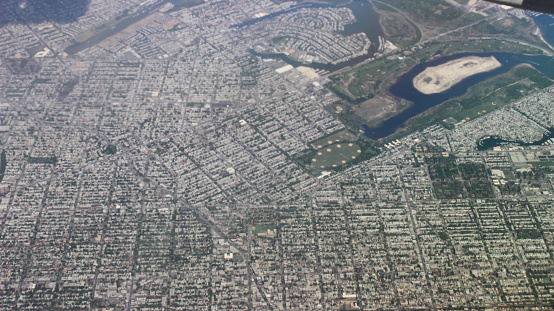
170, 168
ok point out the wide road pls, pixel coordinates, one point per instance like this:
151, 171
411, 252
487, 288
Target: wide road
113, 30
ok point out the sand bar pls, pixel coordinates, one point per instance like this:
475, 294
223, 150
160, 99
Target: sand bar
440, 78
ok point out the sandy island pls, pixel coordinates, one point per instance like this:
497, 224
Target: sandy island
442, 77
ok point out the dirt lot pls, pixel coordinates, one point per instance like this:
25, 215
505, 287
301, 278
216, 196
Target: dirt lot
379, 108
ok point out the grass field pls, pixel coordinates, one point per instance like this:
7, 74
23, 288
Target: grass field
280, 40
262, 228
370, 80
541, 164
334, 138
397, 28
508, 173
499, 92
430, 12
439, 49
363, 82
336, 155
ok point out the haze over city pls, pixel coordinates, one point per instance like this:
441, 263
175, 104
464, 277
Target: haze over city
275, 155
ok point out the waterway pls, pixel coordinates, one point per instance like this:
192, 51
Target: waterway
123, 23
494, 141
405, 89
546, 25
367, 21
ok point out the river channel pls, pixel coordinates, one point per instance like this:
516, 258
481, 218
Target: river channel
494, 141
123, 23
404, 87
546, 25
368, 23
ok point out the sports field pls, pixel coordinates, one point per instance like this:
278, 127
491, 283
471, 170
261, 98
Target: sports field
336, 155
332, 139
262, 228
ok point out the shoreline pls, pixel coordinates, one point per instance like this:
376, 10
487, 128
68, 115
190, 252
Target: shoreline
539, 34
441, 78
